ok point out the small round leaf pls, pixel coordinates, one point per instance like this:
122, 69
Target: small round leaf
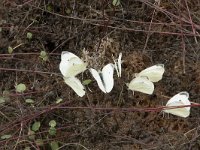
54, 145
39, 142
31, 134
36, 126
52, 123
20, 87
59, 100
30, 101
10, 50
29, 35
52, 131
27, 148
2, 100
116, 2
6, 136
86, 82
44, 55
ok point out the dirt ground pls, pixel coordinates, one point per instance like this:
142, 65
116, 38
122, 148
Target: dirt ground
146, 32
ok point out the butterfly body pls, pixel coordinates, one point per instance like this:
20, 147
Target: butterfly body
153, 73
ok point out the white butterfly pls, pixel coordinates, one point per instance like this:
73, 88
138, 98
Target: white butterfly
118, 66
104, 78
141, 84
179, 100
144, 80
71, 65
76, 85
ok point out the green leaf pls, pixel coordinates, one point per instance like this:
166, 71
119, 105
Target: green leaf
68, 11
86, 82
58, 100
30, 101
6, 136
39, 142
27, 148
31, 134
36, 126
2, 100
54, 145
49, 7
6, 95
20, 87
52, 123
29, 35
44, 55
52, 131
116, 2
10, 49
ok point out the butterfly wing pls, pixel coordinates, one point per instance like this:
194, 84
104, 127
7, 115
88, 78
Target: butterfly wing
97, 77
66, 56
154, 73
181, 112
76, 85
107, 76
76, 66
182, 96
116, 68
141, 84
119, 63
71, 65
179, 100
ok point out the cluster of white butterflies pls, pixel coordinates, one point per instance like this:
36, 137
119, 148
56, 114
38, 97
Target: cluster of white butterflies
71, 65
